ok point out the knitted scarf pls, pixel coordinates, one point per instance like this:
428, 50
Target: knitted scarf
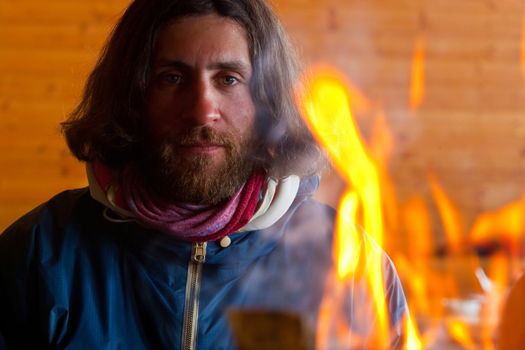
184, 221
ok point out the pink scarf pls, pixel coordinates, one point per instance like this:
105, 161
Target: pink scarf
184, 221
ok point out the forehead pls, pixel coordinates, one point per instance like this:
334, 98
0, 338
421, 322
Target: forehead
201, 39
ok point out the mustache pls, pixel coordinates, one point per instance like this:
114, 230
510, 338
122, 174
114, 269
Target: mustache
203, 134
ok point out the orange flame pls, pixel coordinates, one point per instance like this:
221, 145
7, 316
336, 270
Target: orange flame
417, 287
347, 240
413, 341
327, 109
417, 84
498, 272
449, 216
326, 102
506, 224
417, 223
460, 333
382, 144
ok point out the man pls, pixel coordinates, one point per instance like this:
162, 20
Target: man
201, 172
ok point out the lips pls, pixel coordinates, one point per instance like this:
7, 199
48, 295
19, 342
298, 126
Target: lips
200, 148
201, 144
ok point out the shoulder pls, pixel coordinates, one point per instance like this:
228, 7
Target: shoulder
58, 207
32, 249
311, 222
44, 223
312, 210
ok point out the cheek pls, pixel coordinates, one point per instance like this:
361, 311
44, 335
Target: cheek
162, 114
244, 115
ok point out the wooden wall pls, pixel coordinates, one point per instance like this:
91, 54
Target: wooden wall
46, 51
469, 131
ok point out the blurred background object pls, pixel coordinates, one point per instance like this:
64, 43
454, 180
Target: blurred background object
511, 335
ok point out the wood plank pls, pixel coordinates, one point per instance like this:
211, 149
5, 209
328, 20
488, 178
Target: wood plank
55, 36
35, 62
17, 113
25, 191
63, 87
50, 12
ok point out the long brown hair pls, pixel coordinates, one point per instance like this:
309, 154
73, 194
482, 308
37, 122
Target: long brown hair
108, 122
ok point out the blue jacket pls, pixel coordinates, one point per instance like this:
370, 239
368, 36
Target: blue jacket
70, 279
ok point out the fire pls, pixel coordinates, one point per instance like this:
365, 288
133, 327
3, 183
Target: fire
418, 226
326, 104
413, 341
449, 215
506, 224
346, 242
381, 147
417, 84
460, 333
498, 272
434, 285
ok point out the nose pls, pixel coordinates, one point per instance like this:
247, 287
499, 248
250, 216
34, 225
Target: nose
204, 107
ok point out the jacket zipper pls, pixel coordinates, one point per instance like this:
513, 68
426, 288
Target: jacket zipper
191, 304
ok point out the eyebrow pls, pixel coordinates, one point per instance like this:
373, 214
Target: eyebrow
234, 65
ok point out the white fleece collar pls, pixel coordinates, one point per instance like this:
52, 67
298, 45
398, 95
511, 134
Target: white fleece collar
275, 202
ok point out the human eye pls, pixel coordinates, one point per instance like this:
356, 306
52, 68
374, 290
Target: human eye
171, 78
228, 80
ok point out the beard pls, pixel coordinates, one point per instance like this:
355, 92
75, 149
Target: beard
196, 178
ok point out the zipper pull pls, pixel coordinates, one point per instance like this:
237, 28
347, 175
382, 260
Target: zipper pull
199, 252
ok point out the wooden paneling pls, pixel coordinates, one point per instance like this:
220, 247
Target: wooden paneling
469, 131
46, 51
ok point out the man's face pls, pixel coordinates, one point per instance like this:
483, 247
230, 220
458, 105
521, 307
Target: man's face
200, 111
